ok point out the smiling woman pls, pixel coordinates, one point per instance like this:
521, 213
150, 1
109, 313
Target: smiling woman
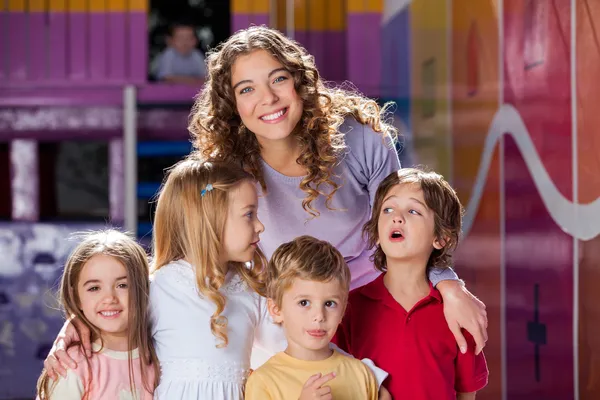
318, 153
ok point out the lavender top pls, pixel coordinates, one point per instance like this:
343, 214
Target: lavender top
367, 161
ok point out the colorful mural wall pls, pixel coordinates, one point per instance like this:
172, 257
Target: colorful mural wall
499, 96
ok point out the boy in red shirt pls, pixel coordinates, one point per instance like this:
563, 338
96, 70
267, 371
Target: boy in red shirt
398, 319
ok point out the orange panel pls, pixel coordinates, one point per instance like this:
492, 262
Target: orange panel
37, 5
58, 5
260, 6
77, 5
336, 15
588, 162
356, 6
16, 5
97, 5
117, 5
138, 5
317, 20
241, 6
374, 6
300, 11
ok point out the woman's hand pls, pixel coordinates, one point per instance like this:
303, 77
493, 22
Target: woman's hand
463, 310
58, 360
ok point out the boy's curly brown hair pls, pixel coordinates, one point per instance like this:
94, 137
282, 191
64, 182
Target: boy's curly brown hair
218, 132
439, 196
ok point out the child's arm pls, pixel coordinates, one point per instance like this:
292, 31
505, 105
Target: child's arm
471, 372
68, 388
465, 396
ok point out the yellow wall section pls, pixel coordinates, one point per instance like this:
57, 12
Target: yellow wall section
317, 20
241, 6
138, 5
97, 5
472, 113
77, 6
16, 5
37, 5
374, 6
430, 111
336, 15
260, 7
356, 6
57, 5
300, 14
117, 5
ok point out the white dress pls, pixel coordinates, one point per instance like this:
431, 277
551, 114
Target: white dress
192, 367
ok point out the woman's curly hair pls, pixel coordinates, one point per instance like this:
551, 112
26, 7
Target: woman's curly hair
218, 132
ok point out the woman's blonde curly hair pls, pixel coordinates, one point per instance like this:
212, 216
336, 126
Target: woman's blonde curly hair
218, 132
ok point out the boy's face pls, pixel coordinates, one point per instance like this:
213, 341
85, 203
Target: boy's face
183, 39
406, 225
310, 313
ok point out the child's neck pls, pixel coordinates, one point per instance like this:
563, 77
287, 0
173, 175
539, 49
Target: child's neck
115, 342
301, 353
406, 281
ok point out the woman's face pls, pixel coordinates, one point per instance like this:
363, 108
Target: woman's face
266, 99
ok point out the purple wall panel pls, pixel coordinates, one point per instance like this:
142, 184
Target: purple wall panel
78, 46
137, 47
335, 52
98, 46
364, 53
240, 21
37, 47
3, 44
117, 49
316, 47
17, 46
539, 290
260, 19
57, 57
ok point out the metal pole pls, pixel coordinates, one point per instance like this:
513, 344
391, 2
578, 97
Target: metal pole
130, 157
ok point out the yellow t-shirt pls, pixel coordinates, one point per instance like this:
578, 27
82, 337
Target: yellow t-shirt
282, 377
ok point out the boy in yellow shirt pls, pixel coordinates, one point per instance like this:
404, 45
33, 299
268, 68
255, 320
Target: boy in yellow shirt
308, 284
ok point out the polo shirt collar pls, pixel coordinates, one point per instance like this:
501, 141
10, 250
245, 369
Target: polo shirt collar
376, 290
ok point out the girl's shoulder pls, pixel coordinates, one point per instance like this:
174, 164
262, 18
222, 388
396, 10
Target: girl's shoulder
179, 272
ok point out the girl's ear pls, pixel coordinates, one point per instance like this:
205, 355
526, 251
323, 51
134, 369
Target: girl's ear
274, 311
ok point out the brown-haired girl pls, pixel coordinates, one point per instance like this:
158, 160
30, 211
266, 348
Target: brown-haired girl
105, 286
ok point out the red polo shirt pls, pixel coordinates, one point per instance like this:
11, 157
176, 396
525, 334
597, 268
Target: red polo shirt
416, 348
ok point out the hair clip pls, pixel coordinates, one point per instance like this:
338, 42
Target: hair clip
209, 187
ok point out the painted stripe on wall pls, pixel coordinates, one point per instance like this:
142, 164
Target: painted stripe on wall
37, 46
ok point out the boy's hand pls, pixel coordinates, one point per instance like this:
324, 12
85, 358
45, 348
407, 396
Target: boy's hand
314, 389
58, 360
384, 394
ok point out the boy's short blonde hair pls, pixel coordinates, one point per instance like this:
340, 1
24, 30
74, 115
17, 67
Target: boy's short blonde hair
306, 258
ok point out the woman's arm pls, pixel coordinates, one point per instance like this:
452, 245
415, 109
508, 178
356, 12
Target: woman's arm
463, 310
58, 360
